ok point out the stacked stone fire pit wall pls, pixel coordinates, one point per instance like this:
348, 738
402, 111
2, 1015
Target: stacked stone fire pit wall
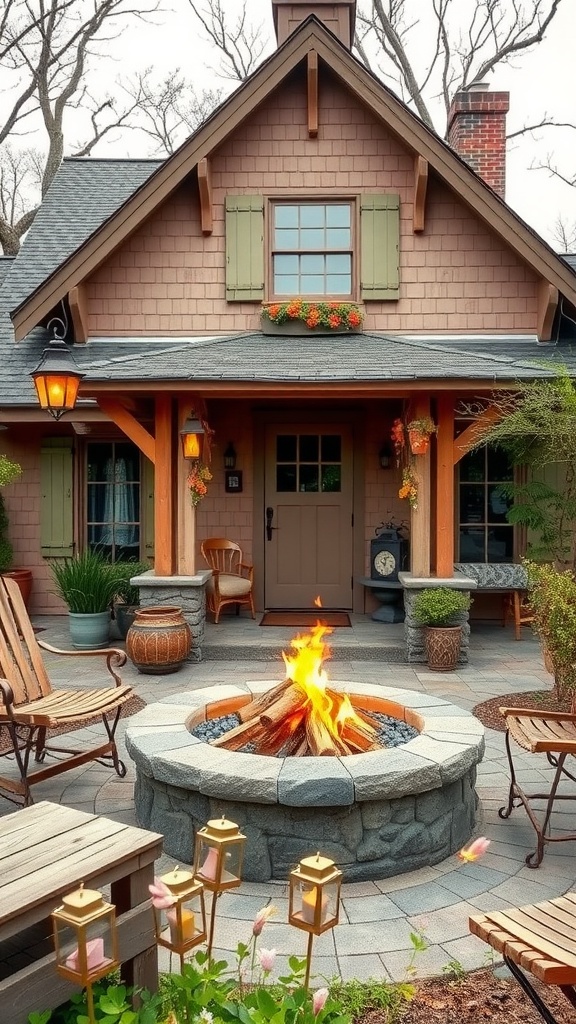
375, 814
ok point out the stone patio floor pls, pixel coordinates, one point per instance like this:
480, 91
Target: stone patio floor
373, 937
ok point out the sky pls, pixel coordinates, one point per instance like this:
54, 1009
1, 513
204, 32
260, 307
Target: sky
540, 82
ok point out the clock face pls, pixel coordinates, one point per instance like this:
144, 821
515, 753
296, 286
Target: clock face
384, 563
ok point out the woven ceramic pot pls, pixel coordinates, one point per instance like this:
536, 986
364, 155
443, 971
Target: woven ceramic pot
159, 640
443, 647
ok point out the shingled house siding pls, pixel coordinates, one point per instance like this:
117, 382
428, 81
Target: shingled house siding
454, 276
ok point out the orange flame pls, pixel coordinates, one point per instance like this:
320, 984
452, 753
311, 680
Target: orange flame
318, 602
304, 669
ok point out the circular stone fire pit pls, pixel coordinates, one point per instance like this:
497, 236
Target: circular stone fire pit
375, 814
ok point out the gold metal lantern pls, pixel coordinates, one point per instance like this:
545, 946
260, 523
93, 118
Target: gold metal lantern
218, 858
314, 905
85, 939
183, 925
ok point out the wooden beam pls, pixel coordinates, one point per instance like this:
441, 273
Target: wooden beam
312, 78
469, 438
129, 425
547, 306
186, 513
445, 488
163, 502
420, 187
205, 190
77, 302
420, 517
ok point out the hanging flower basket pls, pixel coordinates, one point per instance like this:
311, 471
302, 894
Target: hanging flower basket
419, 432
197, 479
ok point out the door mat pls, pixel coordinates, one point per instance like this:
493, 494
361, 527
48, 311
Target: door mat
129, 708
305, 618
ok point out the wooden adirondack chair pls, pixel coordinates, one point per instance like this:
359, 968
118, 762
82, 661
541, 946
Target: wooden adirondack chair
29, 706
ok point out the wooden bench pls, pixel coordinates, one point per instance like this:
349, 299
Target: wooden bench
46, 851
540, 939
506, 579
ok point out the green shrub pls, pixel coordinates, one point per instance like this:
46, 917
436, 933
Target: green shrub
552, 600
439, 606
87, 582
124, 572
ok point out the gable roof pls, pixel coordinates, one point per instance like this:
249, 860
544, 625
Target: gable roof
311, 35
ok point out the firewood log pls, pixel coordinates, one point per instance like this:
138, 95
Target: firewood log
320, 740
248, 732
259, 704
292, 699
359, 740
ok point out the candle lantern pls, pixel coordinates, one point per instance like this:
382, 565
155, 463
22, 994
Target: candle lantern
218, 856
314, 903
183, 925
85, 939
192, 437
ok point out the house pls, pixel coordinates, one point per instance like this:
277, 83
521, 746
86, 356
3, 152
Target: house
312, 179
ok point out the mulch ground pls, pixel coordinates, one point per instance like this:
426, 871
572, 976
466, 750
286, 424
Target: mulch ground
542, 700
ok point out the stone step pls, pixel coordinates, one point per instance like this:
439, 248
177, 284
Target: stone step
392, 655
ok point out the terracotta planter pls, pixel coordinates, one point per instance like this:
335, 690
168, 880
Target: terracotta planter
442, 647
159, 640
24, 579
419, 443
299, 329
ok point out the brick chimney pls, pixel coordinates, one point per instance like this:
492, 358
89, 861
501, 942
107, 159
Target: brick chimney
477, 131
338, 15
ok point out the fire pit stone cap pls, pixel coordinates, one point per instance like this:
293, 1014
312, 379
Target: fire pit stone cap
300, 786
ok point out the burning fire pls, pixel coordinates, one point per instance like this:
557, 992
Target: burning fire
330, 710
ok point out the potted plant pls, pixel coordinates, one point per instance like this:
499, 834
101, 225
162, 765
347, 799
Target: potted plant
436, 609
88, 584
419, 432
127, 597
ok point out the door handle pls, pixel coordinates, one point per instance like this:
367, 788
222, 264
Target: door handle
269, 518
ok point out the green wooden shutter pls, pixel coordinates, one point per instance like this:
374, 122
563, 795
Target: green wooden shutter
379, 247
147, 507
56, 497
244, 248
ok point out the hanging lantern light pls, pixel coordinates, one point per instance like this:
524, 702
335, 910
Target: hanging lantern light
192, 435
85, 940
183, 925
218, 857
230, 456
314, 905
57, 379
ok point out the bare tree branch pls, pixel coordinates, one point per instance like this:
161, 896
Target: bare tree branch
240, 43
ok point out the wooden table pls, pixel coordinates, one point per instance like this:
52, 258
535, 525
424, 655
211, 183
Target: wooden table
46, 850
540, 939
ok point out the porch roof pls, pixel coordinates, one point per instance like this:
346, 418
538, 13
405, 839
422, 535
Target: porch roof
257, 358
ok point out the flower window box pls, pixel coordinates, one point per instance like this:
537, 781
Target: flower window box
298, 316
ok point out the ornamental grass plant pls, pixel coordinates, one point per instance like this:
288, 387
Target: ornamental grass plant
87, 582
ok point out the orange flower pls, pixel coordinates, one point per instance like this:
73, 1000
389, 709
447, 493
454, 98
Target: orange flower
293, 309
354, 318
273, 311
313, 317
334, 320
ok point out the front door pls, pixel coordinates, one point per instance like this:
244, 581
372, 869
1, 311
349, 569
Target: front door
308, 516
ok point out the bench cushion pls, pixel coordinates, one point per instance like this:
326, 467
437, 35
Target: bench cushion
504, 575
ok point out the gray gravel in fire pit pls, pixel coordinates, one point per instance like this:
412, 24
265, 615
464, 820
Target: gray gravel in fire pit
392, 732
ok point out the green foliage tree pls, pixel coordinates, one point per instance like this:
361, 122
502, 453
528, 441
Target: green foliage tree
9, 471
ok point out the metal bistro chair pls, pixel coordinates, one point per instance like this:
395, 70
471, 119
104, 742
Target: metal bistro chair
232, 579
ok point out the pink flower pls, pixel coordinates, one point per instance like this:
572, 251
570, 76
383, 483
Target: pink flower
267, 958
475, 850
261, 918
318, 1000
161, 895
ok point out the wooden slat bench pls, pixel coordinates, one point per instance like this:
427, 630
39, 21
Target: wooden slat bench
540, 939
46, 850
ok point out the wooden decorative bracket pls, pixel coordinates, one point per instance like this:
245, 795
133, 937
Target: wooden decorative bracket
547, 305
420, 186
77, 303
129, 425
312, 94
469, 438
205, 190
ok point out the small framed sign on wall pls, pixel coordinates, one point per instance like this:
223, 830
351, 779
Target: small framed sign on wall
233, 481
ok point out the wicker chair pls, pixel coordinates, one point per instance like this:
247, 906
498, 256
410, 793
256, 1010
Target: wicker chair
232, 579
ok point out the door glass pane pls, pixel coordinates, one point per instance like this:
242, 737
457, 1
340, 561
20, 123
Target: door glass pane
499, 465
113, 499
309, 447
286, 478
286, 448
331, 448
500, 544
472, 545
472, 503
308, 478
331, 478
498, 504
472, 466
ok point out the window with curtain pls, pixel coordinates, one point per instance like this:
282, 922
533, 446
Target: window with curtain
113, 498
484, 533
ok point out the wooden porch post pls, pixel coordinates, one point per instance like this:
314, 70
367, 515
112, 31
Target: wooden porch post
186, 515
445, 488
420, 518
163, 502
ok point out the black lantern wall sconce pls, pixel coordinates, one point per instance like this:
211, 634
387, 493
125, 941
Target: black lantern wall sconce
385, 456
57, 377
230, 456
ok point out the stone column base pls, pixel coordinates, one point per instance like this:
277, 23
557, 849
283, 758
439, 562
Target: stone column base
413, 632
186, 592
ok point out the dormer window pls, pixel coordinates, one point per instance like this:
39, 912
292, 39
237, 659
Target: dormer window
312, 249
